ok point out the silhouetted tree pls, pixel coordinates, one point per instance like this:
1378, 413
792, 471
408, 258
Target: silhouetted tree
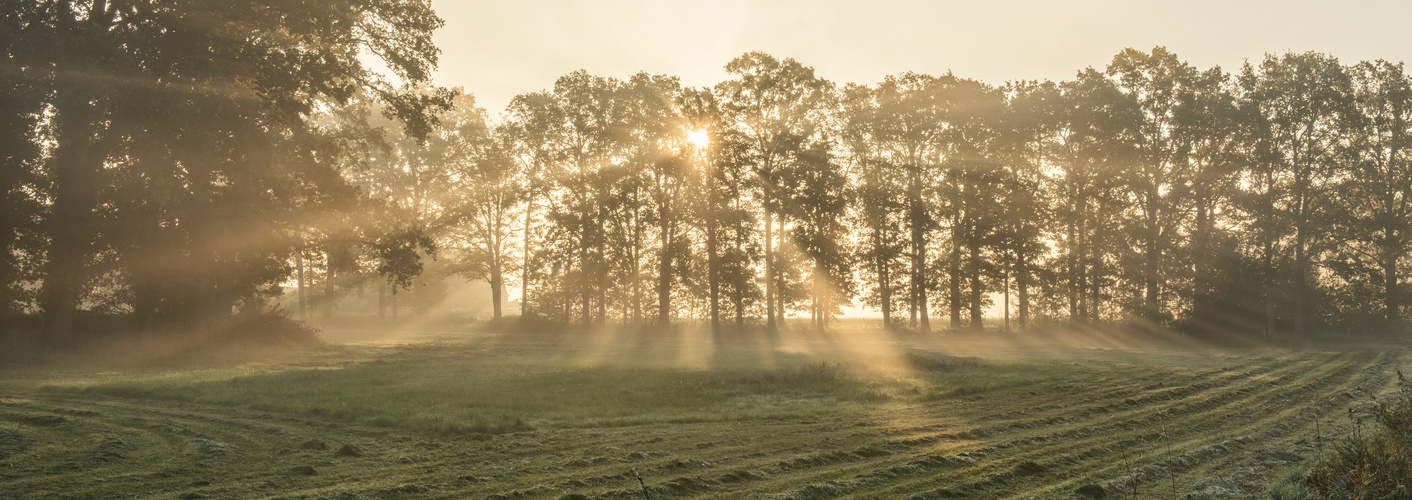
1306, 103
778, 104
1374, 198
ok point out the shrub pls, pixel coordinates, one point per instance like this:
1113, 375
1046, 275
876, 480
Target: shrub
268, 330
1377, 465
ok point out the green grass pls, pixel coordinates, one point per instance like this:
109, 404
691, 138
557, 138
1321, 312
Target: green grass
806, 415
494, 394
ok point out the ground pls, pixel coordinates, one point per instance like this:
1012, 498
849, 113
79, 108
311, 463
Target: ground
850, 414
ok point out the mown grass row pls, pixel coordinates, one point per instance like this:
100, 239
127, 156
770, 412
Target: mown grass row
802, 428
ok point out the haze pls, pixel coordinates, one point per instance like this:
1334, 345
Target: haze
499, 49
611, 250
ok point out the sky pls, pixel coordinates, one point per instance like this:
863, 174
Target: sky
497, 49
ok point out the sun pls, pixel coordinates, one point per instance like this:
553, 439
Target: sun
699, 138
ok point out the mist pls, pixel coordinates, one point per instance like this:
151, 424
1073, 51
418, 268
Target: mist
293, 250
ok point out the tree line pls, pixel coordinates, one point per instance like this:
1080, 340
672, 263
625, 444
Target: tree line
171, 167
1149, 192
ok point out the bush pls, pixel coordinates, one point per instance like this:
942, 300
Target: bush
1372, 466
268, 330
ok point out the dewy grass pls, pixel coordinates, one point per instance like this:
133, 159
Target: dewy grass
452, 396
1373, 464
552, 417
494, 396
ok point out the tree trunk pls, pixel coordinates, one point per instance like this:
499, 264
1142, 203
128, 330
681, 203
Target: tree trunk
1005, 285
636, 252
1072, 262
917, 216
954, 270
1094, 290
1201, 261
1082, 262
303, 302
1022, 285
769, 271
977, 287
1151, 264
1301, 266
586, 279
497, 284
1393, 306
75, 167
382, 297
601, 268
328, 290
713, 263
780, 277
525, 257
664, 270
1269, 286
738, 290
885, 289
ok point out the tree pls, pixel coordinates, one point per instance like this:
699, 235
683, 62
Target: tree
907, 128
534, 124
1305, 102
209, 75
1089, 123
817, 200
704, 121
971, 190
593, 122
877, 190
20, 156
654, 137
1027, 138
778, 104
486, 192
1157, 84
1376, 196
1215, 136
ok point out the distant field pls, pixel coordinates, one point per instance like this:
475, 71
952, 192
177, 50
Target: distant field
853, 414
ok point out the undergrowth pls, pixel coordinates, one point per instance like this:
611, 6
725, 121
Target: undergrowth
1374, 465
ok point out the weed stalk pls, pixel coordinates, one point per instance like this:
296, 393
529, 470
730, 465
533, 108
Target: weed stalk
645, 496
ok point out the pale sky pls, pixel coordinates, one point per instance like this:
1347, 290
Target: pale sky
496, 49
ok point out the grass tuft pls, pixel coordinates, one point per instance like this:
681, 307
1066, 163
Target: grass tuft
1374, 465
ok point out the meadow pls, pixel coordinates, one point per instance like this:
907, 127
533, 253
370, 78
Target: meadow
853, 413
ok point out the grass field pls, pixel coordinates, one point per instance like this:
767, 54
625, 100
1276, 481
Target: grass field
850, 414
